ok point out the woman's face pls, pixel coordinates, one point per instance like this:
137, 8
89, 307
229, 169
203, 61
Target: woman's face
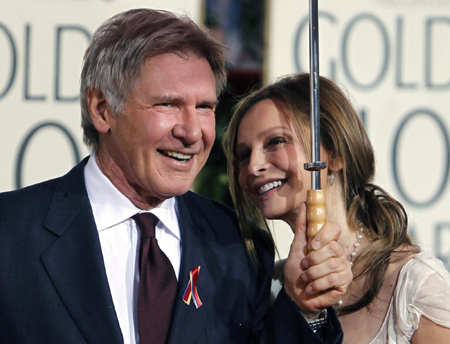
271, 159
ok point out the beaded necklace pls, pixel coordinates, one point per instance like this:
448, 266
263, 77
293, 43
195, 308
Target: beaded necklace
353, 255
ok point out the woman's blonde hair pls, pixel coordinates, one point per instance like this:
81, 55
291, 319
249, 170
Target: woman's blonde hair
343, 136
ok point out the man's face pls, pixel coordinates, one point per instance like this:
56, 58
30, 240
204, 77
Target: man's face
155, 149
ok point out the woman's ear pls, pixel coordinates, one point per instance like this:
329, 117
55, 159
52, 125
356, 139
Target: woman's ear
98, 110
335, 164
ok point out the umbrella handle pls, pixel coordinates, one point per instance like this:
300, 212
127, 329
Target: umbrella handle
316, 213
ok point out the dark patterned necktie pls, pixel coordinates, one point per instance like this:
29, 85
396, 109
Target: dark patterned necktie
157, 286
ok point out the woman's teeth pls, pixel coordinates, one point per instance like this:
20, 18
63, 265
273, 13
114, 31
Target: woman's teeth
269, 186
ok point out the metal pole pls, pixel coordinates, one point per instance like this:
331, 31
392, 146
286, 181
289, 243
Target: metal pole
316, 214
314, 91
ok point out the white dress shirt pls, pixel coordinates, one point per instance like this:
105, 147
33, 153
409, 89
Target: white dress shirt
119, 239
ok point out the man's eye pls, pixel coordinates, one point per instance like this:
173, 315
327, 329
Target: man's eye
167, 107
207, 107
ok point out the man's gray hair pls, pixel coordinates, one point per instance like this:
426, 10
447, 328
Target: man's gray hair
120, 46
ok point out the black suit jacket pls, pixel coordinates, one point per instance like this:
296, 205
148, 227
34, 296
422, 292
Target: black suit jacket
54, 289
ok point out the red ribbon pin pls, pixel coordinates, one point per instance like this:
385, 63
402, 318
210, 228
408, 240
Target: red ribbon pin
191, 289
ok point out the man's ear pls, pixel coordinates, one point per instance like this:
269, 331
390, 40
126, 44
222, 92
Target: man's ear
98, 110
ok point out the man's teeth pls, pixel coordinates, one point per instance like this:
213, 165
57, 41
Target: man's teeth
178, 155
263, 189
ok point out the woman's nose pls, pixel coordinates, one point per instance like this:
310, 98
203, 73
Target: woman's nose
258, 163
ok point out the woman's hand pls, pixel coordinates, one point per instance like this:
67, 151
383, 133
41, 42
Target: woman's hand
319, 279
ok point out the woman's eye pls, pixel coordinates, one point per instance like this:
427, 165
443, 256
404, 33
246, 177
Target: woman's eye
276, 141
242, 157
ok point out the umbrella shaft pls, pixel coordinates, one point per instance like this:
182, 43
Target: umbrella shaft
314, 90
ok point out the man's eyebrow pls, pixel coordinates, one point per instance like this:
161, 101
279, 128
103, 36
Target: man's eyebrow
165, 98
210, 101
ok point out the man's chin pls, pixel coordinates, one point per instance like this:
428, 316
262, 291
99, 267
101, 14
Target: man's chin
176, 190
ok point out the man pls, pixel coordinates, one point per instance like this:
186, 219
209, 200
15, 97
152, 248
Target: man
70, 267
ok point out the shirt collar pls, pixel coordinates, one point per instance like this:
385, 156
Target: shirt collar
110, 207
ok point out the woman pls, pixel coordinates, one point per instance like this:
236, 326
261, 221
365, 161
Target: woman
398, 294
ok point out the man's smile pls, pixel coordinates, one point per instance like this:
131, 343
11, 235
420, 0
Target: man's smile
176, 155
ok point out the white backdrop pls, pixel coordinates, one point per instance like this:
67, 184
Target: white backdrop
393, 58
41, 49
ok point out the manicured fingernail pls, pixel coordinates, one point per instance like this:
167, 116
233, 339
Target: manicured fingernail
309, 289
316, 245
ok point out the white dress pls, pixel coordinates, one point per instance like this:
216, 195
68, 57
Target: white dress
423, 288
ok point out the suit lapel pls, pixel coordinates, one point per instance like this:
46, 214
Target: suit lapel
75, 262
188, 321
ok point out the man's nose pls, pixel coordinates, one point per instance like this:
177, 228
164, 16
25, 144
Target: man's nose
189, 128
258, 162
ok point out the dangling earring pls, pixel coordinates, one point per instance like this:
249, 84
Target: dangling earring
332, 179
